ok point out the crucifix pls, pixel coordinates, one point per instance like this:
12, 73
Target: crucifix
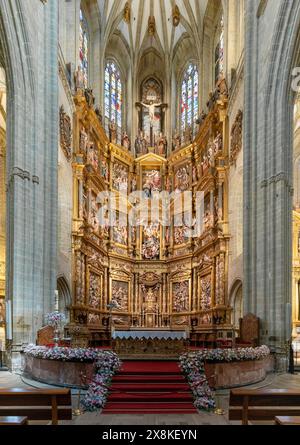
151, 106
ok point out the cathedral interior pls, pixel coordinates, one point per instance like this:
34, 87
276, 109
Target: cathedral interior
150, 174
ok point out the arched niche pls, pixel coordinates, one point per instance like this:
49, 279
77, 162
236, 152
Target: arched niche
236, 302
64, 296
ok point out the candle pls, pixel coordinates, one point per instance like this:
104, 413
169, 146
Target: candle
56, 300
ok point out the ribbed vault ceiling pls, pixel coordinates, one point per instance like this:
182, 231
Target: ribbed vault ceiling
136, 31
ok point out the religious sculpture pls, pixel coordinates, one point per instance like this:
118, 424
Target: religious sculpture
113, 132
79, 79
98, 112
93, 319
151, 244
188, 136
181, 296
205, 299
236, 138
105, 170
126, 141
138, 144
218, 142
180, 235
120, 234
120, 174
201, 118
93, 156
83, 141
80, 278
211, 153
94, 291
93, 214
204, 163
161, 145
176, 140
151, 106
150, 299
151, 183
89, 97
182, 179
65, 133
120, 295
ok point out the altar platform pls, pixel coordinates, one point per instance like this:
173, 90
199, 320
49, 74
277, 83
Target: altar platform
150, 334
150, 344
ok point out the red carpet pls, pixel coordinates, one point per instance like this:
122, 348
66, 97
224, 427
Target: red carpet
149, 388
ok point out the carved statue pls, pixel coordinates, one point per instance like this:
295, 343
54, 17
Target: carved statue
138, 143
176, 140
83, 141
211, 153
188, 137
113, 132
151, 108
98, 111
89, 96
126, 141
65, 133
236, 138
79, 79
162, 145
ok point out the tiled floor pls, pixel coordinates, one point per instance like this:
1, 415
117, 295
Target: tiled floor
284, 381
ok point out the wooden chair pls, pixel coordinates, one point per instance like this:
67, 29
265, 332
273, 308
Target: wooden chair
263, 404
13, 421
249, 332
37, 404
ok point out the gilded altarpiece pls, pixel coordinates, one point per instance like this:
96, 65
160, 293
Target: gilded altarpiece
211, 311
161, 270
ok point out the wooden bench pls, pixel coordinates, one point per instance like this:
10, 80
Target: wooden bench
11, 421
287, 420
37, 404
263, 404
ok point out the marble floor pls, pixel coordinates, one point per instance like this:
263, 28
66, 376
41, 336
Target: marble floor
278, 381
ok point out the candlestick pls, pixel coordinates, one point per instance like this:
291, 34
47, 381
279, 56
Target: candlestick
56, 300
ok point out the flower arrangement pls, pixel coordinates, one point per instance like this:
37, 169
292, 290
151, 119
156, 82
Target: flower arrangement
88, 355
55, 319
107, 364
192, 365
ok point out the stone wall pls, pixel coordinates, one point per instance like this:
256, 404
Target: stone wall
270, 55
28, 52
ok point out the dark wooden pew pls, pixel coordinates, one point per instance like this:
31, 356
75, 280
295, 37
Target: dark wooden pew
37, 404
287, 420
263, 404
13, 421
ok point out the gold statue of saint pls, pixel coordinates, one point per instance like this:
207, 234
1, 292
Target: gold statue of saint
150, 301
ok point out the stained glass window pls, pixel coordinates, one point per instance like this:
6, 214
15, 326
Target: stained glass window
113, 95
219, 53
83, 48
189, 98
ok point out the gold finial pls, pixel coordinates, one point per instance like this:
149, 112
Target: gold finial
127, 13
151, 26
176, 16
